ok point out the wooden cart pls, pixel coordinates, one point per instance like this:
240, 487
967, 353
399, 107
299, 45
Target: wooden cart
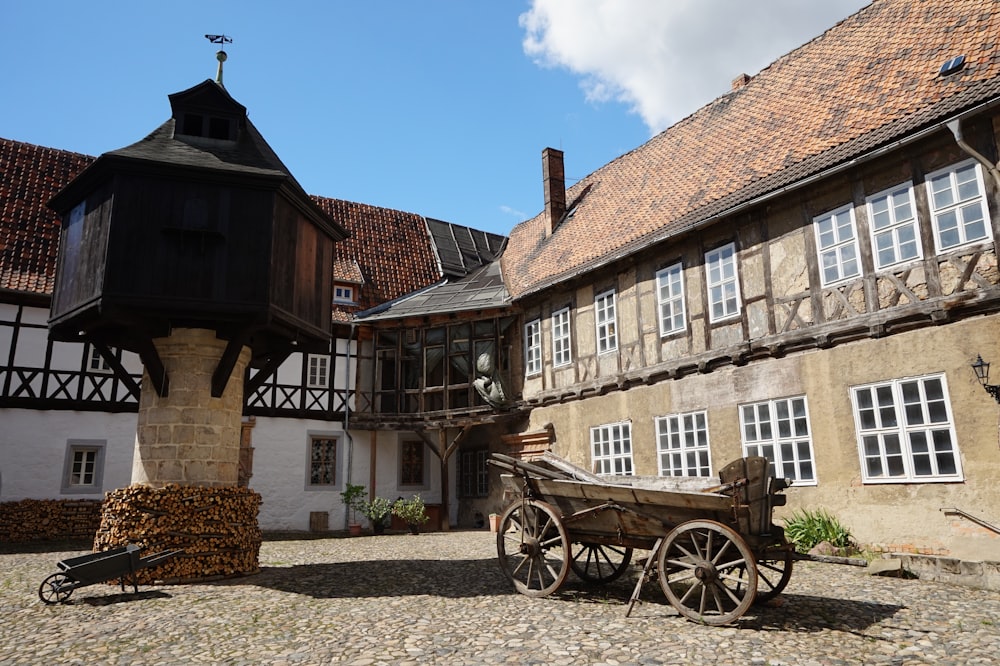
715, 549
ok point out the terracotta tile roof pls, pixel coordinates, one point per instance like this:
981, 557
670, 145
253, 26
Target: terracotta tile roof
868, 80
347, 270
392, 248
29, 230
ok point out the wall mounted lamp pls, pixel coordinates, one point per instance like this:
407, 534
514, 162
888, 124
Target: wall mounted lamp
982, 370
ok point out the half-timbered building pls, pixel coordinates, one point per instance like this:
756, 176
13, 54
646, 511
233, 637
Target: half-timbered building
805, 269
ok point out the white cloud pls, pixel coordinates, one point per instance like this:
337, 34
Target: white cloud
666, 59
513, 212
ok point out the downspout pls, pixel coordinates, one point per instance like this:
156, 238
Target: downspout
347, 413
956, 129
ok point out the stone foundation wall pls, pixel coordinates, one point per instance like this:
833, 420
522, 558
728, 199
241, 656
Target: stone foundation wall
216, 528
49, 520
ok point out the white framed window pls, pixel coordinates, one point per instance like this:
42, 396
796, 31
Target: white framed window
779, 431
958, 207
533, 347
604, 311
322, 462
343, 294
611, 448
83, 466
682, 444
722, 282
670, 298
96, 362
905, 431
319, 371
562, 353
893, 219
837, 245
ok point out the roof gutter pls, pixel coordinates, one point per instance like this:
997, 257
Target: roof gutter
808, 180
956, 129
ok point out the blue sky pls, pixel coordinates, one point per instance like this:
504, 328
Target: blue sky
439, 107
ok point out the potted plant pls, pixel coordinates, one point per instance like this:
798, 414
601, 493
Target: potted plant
377, 511
353, 497
411, 511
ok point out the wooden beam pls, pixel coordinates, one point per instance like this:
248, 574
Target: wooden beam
224, 369
119, 370
270, 367
372, 464
444, 518
154, 367
443, 450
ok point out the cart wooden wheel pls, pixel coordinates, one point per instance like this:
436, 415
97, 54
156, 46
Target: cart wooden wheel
706, 571
533, 547
56, 588
774, 569
598, 563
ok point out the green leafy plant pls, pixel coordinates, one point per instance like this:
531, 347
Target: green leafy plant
411, 511
377, 511
806, 529
353, 497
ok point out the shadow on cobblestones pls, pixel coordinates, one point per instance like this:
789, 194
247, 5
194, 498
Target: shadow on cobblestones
383, 578
805, 613
122, 598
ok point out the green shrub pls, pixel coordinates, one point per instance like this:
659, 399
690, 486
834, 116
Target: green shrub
807, 528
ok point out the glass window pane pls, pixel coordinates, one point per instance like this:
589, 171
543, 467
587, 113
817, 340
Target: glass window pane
941, 191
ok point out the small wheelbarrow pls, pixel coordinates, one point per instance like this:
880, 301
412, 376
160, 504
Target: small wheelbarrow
120, 563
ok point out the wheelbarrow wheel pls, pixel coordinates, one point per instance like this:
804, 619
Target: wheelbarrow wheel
707, 571
774, 569
533, 548
599, 563
56, 589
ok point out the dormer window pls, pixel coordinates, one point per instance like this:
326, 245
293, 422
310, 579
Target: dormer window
343, 294
212, 127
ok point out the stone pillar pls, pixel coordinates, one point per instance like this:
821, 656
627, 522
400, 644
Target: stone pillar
185, 495
188, 437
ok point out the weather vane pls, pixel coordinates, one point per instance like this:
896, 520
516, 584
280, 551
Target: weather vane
221, 40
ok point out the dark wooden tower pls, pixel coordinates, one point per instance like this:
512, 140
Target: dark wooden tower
199, 225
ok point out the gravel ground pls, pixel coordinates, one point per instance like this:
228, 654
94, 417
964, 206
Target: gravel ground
441, 598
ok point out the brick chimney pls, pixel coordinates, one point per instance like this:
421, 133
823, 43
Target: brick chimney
554, 181
741, 81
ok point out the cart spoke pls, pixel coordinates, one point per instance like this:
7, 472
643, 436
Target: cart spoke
732, 564
730, 593
774, 569
683, 564
601, 563
725, 547
717, 599
520, 564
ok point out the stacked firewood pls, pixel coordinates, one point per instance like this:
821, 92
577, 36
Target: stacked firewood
215, 527
48, 520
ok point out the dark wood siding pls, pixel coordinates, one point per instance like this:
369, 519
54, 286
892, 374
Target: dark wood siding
82, 253
189, 244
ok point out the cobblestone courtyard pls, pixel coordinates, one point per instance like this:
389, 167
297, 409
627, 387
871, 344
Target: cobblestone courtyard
440, 598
